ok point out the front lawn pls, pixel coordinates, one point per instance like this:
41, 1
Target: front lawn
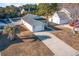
25, 44
68, 37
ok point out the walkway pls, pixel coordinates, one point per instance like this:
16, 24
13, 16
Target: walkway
56, 45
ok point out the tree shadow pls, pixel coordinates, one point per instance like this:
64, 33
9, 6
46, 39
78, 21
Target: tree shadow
5, 43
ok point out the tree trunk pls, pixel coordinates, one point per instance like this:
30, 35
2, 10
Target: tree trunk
10, 36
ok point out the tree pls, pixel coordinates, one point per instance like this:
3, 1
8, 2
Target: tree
2, 10
30, 8
53, 7
10, 31
46, 8
43, 9
75, 22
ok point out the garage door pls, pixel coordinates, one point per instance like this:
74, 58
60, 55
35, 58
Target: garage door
39, 28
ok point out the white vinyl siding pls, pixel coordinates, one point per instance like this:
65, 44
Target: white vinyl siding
34, 28
27, 25
56, 18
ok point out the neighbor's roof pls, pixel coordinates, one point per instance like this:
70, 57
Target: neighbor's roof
30, 18
62, 16
2, 24
71, 11
6, 21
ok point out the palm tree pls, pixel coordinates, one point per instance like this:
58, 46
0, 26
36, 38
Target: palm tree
10, 31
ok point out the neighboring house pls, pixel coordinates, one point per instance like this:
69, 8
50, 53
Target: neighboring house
72, 8
50, 19
3, 23
67, 12
72, 13
15, 21
59, 18
63, 16
33, 22
27, 10
22, 11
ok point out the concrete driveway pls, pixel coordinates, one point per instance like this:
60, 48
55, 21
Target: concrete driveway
57, 46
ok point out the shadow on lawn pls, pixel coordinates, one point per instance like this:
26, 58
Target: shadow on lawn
55, 28
5, 43
37, 37
42, 37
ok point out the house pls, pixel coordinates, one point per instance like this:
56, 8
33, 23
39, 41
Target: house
27, 10
67, 12
22, 11
72, 13
62, 16
72, 8
59, 18
15, 21
5, 22
2, 24
33, 22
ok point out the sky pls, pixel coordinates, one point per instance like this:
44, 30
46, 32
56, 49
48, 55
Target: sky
16, 4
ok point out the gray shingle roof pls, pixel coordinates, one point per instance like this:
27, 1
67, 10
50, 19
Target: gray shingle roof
62, 15
30, 18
